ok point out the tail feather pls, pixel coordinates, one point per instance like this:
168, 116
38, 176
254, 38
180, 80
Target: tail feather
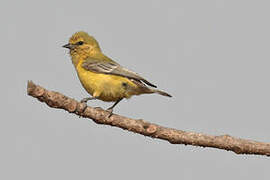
161, 93
147, 90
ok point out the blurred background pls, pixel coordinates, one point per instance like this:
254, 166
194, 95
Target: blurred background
212, 56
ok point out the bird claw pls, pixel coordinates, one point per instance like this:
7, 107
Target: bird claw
110, 111
84, 100
83, 109
98, 108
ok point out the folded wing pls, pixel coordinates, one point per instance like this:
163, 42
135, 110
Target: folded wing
111, 67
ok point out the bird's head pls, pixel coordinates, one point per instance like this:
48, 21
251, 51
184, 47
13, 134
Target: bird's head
82, 44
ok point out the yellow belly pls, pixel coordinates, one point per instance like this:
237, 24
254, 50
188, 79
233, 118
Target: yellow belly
104, 86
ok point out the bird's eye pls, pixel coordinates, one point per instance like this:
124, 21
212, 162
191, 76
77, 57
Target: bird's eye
80, 43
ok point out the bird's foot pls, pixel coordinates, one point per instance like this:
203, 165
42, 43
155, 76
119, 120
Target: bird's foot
98, 108
84, 100
83, 109
110, 111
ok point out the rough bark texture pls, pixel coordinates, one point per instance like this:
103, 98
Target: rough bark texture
226, 142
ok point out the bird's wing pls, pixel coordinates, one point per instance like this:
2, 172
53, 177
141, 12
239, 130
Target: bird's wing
111, 67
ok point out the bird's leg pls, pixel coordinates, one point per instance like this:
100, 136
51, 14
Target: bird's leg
110, 109
84, 101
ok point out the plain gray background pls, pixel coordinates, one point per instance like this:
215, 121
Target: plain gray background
211, 55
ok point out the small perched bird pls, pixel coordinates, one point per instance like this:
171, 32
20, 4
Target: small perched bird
102, 77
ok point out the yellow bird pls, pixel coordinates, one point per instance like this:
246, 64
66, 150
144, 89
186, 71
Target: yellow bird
102, 77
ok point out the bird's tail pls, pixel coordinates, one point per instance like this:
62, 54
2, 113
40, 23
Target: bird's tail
161, 92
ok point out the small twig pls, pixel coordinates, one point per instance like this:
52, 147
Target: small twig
226, 142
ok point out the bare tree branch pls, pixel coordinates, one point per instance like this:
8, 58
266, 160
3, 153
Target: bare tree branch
226, 142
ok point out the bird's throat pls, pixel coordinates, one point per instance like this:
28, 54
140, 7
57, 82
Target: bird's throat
77, 56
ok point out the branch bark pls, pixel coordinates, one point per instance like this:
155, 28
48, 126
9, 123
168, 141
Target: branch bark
225, 142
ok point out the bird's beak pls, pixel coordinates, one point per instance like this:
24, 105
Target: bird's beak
69, 46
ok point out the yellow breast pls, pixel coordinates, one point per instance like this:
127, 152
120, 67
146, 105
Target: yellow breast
105, 86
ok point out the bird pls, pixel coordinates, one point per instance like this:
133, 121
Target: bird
103, 78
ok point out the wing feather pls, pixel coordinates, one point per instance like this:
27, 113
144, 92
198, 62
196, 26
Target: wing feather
110, 67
